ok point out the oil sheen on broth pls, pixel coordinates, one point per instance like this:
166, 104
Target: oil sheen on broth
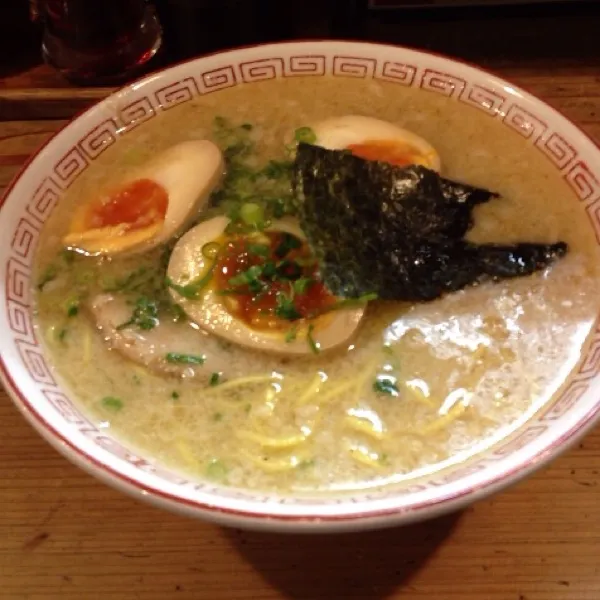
469, 367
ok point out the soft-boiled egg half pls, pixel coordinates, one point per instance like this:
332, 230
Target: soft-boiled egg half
151, 204
258, 290
373, 139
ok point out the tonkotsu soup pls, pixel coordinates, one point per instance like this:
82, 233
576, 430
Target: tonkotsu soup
212, 335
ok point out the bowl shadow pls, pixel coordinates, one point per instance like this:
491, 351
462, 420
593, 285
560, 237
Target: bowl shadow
351, 565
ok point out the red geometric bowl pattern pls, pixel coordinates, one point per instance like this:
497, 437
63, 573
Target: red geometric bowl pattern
103, 126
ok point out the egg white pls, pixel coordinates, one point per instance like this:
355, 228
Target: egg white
209, 312
188, 172
340, 132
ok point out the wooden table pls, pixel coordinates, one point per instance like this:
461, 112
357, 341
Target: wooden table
63, 535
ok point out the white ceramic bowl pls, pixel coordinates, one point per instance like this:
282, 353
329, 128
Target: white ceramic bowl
49, 406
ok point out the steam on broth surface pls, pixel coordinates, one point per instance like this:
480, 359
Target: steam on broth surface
418, 386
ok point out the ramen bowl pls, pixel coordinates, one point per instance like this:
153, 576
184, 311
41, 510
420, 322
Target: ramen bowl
51, 406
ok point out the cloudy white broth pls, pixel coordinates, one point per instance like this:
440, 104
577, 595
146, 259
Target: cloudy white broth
411, 387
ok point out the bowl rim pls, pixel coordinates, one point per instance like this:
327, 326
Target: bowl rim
362, 517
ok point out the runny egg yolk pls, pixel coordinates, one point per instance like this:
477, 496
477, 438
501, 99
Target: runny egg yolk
388, 151
136, 205
269, 285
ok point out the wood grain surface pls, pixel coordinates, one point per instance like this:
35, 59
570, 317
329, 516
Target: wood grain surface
63, 535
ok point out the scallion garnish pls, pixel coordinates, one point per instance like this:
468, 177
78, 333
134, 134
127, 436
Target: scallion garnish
314, 346
144, 316
305, 135
184, 359
112, 403
302, 284
385, 384
287, 244
259, 249
214, 379
290, 336
252, 214
285, 308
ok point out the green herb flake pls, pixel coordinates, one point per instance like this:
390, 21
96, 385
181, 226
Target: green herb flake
184, 359
175, 395
112, 403
306, 464
248, 277
216, 470
277, 169
191, 290
291, 335
47, 276
302, 284
68, 256
285, 308
259, 249
252, 214
215, 379
384, 384
217, 417
288, 243
314, 346
73, 308
62, 334
144, 315
305, 135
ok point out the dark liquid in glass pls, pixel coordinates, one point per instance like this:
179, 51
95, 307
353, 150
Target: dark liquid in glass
99, 41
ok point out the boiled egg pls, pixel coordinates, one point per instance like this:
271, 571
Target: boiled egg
194, 275
373, 139
149, 205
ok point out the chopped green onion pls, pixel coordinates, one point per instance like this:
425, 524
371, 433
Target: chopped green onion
314, 346
185, 359
192, 290
384, 384
290, 336
269, 270
305, 135
214, 379
276, 169
216, 470
112, 403
288, 270
285, 308
144, 316
211, 250
47, 276
252, 214
248, 277
175, 395
73, 308
287, 244
259, 249
68, 256
301, 285
62, 334
346, 303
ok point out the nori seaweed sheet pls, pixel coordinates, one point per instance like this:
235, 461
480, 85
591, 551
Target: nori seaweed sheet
398, 231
